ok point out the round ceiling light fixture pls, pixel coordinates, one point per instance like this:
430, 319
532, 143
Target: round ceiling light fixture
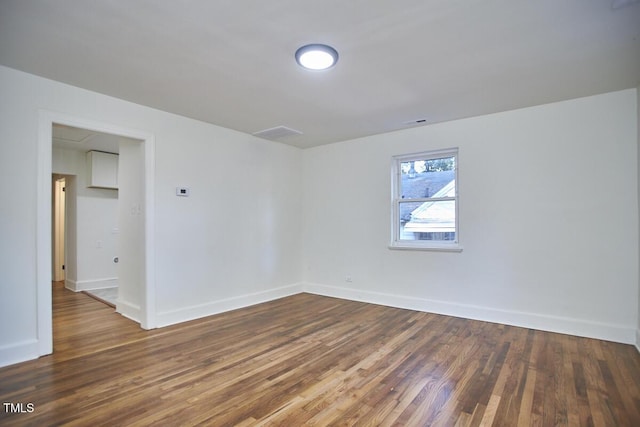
316, 56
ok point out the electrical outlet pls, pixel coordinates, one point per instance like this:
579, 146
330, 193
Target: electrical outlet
348, 279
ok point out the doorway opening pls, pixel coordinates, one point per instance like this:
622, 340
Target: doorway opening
88, 160
134, 220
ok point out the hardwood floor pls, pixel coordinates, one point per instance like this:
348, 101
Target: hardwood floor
312, 360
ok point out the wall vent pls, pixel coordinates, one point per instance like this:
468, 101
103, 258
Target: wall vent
277, 132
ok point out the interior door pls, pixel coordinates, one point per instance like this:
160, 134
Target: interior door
59, 230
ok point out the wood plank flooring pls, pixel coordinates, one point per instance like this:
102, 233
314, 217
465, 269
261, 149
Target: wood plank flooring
312, 360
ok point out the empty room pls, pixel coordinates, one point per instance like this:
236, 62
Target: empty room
288, 213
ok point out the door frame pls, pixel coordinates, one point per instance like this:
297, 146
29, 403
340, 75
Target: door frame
46, 119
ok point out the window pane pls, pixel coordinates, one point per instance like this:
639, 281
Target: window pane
428, 178
428, 220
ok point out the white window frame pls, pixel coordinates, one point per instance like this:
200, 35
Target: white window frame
396, 199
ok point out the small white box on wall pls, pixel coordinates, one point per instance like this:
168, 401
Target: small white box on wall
103, 169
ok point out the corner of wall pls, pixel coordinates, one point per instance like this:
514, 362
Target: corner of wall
220, 306
638, 177
129, 310
19, 352
564, 325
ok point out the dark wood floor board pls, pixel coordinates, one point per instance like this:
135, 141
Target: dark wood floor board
312, 360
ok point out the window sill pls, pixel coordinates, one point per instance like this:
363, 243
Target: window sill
405, 246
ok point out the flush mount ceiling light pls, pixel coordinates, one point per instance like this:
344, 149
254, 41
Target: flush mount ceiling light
316, 56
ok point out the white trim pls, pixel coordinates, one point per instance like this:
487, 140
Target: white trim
89, 285
409, 246
148, 320
19, 352
186, 314
128, 310
43, 219
543, 322
426, 155
71, 285
44, 313
638, 340
396, 200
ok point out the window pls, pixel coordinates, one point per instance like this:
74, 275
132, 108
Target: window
425, 201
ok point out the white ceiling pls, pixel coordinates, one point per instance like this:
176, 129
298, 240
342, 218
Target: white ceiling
231, 62
72, 138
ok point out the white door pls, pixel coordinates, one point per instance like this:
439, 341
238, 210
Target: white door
58, 230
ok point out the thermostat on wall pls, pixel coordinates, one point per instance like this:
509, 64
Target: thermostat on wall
182, 191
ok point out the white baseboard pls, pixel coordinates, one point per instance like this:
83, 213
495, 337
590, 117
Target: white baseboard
70, 284
564, 325
638, 340
89, 285
29, 350
128, 310
20, 352
203, 310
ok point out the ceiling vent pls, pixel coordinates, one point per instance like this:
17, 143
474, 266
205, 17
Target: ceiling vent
619, 4
416, 122
277, 132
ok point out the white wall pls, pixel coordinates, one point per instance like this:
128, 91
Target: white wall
94, 239
548, 219
549, 215
235, 241
638, 136
131, 248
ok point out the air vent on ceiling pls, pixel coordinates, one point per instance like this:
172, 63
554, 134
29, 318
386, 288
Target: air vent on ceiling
277, 132
416, 122
619, 4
